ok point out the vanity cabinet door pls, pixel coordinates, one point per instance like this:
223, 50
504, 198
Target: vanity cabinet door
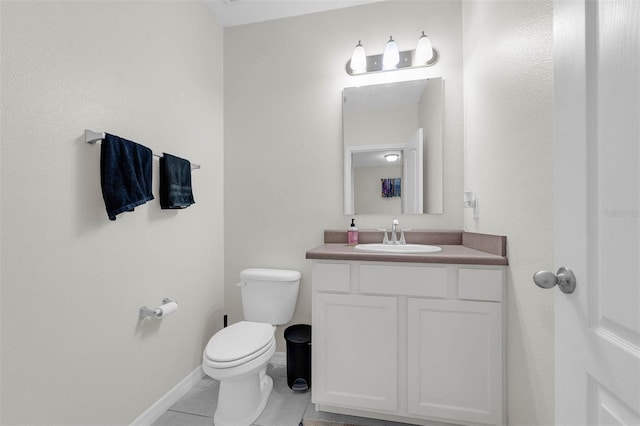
355, 351
455, 359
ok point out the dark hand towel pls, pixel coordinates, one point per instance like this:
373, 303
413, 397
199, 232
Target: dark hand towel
125, 174
175, 182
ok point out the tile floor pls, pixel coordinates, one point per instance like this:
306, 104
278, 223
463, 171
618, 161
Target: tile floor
284, 408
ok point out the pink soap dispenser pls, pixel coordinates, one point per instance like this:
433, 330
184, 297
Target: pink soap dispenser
352, 234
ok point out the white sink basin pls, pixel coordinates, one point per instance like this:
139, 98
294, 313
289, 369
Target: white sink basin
398, 248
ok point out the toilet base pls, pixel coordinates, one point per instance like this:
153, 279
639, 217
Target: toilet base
242, 400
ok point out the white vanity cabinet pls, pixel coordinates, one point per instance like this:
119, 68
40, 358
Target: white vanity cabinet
416, 343
356, 347
455, 360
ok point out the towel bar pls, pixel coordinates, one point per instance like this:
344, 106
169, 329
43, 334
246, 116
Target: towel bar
92, 137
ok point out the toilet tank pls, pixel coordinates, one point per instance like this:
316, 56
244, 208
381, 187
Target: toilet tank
269, 295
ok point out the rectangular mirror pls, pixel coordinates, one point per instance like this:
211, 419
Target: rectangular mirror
401, 121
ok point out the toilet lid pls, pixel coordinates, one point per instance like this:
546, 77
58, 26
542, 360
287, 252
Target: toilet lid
238, 341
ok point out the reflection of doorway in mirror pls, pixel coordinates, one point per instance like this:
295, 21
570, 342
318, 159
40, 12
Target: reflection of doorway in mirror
368, 197
366, 166
366, 169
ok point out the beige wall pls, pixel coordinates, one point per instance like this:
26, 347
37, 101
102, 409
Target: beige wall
508, 82
283, 133
388, 126
73, 351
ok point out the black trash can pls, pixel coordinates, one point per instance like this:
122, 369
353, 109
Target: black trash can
298, 339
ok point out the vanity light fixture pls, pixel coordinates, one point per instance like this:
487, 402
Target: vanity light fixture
392, 59
391, 55
424, 50
358, 63
392, 156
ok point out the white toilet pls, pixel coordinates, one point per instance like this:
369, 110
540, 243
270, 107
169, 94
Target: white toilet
238, 355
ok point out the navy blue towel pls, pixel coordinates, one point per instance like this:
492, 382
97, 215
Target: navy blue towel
125, 174
175, 182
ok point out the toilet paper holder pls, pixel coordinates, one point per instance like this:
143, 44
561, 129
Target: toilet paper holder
157, 313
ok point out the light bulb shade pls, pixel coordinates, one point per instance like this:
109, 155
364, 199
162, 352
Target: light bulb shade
359, 59
424, 50
391, 55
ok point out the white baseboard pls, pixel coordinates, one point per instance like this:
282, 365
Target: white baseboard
279, 358
154, 412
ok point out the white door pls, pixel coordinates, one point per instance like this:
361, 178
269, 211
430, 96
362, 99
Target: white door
597, 215
412, 199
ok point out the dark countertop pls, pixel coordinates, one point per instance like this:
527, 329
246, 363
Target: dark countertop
473, 249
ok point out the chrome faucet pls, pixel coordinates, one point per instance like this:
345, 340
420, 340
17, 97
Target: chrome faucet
394, 226
394, 234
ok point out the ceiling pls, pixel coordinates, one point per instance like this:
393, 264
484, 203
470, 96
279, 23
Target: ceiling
239, 12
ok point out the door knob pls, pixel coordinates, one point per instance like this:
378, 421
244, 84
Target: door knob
564, 279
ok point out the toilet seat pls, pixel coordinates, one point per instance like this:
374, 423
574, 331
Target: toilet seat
238, 344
